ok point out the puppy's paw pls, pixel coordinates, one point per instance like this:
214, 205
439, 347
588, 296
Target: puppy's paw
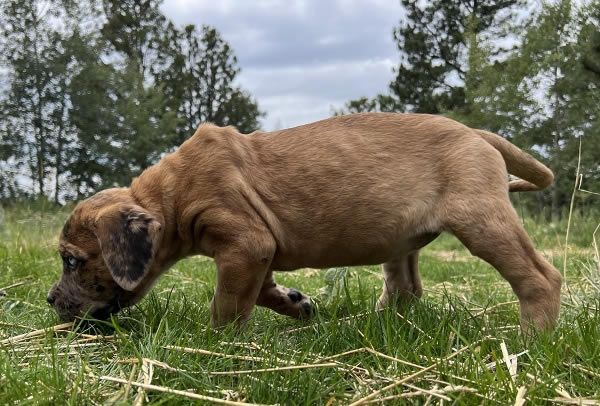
289, 302
303, 302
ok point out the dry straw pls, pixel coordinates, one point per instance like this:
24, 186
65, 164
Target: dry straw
165, 389
35, 333
213, 354
416, 374
276, 369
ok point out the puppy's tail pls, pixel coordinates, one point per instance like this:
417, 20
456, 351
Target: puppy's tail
534, 175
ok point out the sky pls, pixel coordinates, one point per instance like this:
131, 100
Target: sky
301, 58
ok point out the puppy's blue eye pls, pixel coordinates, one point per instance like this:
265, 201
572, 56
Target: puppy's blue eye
72, 262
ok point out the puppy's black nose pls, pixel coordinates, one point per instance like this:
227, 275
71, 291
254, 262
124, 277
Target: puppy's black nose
50, 300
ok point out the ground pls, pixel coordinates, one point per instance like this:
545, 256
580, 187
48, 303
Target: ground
459, 344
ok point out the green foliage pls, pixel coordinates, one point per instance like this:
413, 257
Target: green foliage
381, 102
96, 93
542, 96
146, 127
465, 301
536, 83
33, 107
198, 80
134, 28
432, 39
335, 279
432, 44
551, 51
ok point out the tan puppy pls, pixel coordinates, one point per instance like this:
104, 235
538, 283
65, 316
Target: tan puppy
353, 190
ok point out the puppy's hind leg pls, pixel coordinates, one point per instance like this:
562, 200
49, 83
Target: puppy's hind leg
286, 301
491, 230
401, 280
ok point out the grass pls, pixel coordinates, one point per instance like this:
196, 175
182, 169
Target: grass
348, 353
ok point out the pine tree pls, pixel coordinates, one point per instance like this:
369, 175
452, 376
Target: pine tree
199, 82
93, 162
433, 46
145, 126
550, 50
543, 96
97, 90
588, 62
135, 28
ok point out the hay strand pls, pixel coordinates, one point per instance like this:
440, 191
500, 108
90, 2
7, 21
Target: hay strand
35, 333
186, 394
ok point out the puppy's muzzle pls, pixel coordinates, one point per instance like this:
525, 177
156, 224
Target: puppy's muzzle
65, 305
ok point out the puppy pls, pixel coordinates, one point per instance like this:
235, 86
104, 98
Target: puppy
360, 189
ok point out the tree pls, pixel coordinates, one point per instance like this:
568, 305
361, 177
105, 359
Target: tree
120, 126
9, 189
495, 96
588, 61
551, 52
40, 48
135, 28
33, 108
93, 114
432, 44
199, 82
381, 102
98, 90
543, 96
10, 156
144, 125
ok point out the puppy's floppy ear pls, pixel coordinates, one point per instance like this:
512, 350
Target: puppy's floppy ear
129, 237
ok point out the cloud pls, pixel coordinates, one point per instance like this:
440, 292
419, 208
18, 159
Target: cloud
296, 95
299, 58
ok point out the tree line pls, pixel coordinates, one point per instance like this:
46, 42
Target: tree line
528, 71
97, 90
94, 91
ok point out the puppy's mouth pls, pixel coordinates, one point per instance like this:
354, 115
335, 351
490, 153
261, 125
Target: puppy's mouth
105, 312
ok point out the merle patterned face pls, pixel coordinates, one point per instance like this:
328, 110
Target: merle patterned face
86, 285
106, 250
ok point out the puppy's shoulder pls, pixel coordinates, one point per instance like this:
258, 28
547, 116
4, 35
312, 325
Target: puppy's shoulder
209, 137
208, 133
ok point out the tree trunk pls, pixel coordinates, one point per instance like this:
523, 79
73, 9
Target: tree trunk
40, 164
556, 147
37, 123
58, 165
555, 201
59, 145
555, 192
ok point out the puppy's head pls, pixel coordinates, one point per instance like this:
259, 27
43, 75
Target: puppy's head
108, 247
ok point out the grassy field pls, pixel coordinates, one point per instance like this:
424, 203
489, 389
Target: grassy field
460, 344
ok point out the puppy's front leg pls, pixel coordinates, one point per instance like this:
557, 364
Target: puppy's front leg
238, 286
240, 275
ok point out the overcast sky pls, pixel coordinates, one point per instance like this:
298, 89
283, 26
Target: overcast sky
300, 58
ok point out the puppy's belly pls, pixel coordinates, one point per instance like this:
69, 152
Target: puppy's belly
348, 252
